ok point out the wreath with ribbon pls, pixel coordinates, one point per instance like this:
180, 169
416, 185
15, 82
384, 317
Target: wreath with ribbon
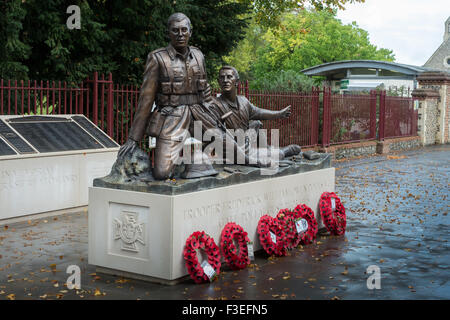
286, 218
235, 259
202, 241
304, 212
334, 220
266, 226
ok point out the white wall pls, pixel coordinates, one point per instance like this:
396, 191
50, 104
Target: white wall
38, 184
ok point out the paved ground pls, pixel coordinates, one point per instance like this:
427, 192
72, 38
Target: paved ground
397, 211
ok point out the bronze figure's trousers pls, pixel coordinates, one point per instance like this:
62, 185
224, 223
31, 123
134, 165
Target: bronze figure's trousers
170, 142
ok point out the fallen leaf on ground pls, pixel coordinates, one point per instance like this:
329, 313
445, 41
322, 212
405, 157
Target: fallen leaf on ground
117, 281
395, 157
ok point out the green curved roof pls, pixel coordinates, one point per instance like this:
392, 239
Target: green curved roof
331, 67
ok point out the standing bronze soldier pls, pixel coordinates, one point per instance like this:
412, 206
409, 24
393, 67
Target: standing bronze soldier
175, 79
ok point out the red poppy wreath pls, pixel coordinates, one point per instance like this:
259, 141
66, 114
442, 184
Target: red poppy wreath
333, 213
286, 219
310, 223
272, 236
200, 240
235, 259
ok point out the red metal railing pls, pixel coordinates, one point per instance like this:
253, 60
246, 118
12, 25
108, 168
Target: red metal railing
301, 127
43, 97
354, 118
349, 118
117, 102
400, 118
345, 118
125, 105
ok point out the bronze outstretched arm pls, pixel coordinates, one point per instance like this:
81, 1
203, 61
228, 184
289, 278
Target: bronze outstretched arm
264, 114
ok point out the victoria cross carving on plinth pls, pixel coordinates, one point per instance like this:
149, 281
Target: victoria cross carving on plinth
129, 230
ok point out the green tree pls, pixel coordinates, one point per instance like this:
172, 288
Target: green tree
218, 27
269, 12
243, 55
13, 51
60, 53
309, 38
115, 36
285, 81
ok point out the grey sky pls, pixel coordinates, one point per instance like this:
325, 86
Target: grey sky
413, 29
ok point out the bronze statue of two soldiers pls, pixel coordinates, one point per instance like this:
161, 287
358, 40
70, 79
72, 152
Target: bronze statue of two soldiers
175, 81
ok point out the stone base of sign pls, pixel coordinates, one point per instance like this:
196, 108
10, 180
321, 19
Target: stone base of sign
144, 233
44, 215
131, 275
46, 183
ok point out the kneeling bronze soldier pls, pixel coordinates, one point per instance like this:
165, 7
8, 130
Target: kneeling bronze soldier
241, 113
175, 79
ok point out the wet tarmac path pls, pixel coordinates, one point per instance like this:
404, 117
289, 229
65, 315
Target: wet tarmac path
397, 219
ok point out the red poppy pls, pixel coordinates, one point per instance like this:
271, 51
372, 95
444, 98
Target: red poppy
200, 240
286, 220
333, 213
235, 259
272, 236
304, 212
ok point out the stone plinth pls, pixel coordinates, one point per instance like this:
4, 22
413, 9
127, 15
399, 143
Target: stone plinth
48, 162
144, 233
34, 184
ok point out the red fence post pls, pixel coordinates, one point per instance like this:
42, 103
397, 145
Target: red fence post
247, 95
415, 122
315, 117
373, 114
330, 120
324, 118
80, 101
326, 124
382, 119
95, 98
110, 107
1, 109
413, 116
15, 96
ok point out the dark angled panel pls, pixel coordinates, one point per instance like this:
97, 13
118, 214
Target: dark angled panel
56, 136
37, 118
13, 139
95, 132
5, 150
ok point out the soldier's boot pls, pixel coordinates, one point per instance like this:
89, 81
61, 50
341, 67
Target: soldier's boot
291, 150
